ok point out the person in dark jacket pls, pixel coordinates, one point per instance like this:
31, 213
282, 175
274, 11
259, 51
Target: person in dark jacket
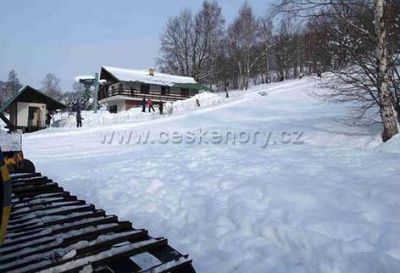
161, 108
144, 104
79, 119
226, 85
48, 119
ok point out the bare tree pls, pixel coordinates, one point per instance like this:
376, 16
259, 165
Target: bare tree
243, 37
190, 44
358, 34
394, 48
51, 86
316, 49
387, 111
208, 33
265, 49
286, 49
176, 48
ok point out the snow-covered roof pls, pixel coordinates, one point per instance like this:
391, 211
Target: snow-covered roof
144, 76
84, 77
30, 94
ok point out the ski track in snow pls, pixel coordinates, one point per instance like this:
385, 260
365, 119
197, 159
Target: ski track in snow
329, 205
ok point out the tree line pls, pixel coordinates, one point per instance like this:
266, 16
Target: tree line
230, 55
356, 41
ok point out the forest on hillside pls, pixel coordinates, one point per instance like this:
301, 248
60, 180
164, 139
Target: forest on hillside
357, 41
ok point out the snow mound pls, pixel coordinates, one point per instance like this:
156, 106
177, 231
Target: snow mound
205, 99
391, 146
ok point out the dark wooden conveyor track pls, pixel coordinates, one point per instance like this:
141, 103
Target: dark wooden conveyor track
51, 230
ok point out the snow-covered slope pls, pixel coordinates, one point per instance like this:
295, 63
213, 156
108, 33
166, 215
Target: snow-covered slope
319, 197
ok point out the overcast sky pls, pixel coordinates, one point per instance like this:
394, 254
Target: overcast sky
75, 37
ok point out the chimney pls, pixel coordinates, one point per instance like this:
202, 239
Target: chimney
151, 71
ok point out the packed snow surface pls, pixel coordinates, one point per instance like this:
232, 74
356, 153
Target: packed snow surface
319, 196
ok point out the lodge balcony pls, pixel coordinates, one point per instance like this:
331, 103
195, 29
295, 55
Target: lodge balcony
138, 94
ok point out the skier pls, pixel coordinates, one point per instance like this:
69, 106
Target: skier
144, 104
197, 103
161, 108
79, 119
226, 84
150, 103
48, 119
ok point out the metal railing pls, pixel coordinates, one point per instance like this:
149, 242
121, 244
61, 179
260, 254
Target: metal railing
139, 95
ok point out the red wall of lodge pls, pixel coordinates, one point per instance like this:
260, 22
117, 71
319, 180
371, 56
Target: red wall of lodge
132, 103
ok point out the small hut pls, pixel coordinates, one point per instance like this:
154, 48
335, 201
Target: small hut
27, 110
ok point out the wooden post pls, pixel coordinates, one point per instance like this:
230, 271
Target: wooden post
96, 91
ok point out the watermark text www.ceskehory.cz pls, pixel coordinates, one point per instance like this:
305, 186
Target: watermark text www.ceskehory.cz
262, 138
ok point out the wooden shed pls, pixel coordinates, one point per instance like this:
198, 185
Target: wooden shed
27, 110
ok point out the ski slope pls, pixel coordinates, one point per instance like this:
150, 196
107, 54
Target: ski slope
319, 197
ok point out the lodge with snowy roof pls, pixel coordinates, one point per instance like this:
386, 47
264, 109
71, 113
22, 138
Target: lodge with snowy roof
126, 88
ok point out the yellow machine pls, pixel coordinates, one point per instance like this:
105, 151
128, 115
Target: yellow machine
11, 161
5, 192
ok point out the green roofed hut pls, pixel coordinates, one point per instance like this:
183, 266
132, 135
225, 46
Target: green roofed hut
123, 88
27, 110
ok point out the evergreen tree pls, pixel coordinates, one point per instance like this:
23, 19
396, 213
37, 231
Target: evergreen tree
10, 87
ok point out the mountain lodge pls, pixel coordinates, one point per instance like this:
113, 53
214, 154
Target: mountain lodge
125, 88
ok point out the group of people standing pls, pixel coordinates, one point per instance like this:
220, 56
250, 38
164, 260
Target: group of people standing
149, 103
146, 103
49, 117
